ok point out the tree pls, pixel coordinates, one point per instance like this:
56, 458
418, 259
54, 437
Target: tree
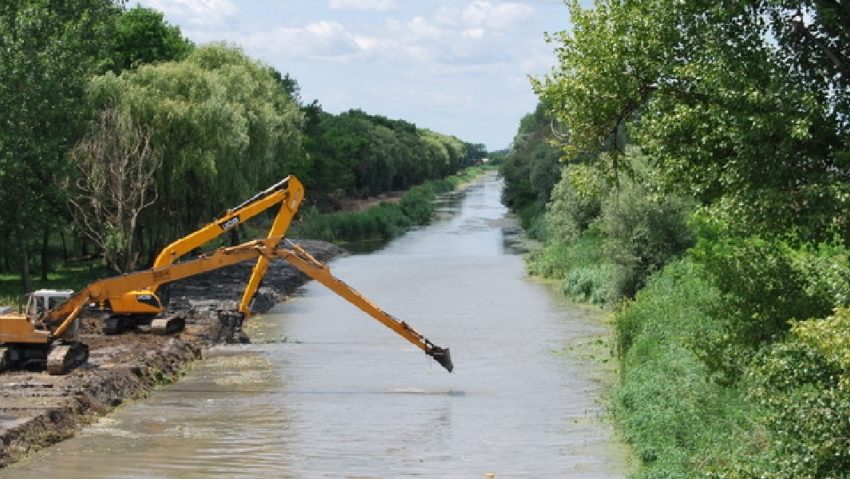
115, 169
532, 167
143, 36
725, 113
224, 126
362, 154
48, 49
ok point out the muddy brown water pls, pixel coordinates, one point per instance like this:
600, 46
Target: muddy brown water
327, 392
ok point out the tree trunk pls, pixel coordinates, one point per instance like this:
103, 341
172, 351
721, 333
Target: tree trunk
64, 248
26, 280
234, 236
45, 253
7, 240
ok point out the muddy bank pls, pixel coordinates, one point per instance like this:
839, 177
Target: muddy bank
37, 410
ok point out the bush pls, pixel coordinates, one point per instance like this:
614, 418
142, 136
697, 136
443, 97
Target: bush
594, 283
643, 233
576, 202
803, 385
765, 284
699, 395
581, 267
381, 222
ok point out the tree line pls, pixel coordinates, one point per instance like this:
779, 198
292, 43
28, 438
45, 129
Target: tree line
120, 135
702, 193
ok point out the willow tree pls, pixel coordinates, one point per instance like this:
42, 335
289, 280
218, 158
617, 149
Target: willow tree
223, 124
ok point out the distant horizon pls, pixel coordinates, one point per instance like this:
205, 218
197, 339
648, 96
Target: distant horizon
458, 67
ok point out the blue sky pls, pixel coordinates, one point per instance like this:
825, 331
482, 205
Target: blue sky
455, 66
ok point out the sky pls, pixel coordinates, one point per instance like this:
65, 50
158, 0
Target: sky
458, 67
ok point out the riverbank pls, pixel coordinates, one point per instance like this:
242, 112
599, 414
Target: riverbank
383, 219
37, 410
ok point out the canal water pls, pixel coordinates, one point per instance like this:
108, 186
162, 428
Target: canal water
325, 391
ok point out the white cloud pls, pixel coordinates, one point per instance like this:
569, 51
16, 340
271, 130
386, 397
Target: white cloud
200, 13
376, 5
439, 100
497, 16
457, 66
422, 40
474, 33
326, 39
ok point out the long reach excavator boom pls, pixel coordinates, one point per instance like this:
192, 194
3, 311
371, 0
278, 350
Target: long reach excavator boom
51, 333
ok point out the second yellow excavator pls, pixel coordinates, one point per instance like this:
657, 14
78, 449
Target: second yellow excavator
147, 306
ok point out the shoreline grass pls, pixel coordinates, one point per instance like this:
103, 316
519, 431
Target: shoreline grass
385, 220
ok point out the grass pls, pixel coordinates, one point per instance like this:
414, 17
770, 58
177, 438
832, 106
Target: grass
74, 277
385, 220
681, 422
580, 266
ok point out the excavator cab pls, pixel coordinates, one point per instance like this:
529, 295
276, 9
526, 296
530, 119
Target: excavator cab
42, 300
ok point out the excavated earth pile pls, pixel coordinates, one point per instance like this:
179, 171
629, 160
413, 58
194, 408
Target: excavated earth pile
37, 410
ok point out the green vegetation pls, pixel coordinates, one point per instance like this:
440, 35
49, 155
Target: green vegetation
703, 196
220, 122
126, 136
74, 275
46, 58
385, 220
355, 154
531, 170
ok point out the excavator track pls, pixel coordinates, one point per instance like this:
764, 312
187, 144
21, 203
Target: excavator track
113, 325
5, 358
64, 357
168, 325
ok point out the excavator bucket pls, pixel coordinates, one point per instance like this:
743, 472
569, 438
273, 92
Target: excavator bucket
442, 356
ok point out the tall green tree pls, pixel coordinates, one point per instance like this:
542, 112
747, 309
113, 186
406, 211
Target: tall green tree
48, 50
730, 100
143, 36
359, 154
532, 167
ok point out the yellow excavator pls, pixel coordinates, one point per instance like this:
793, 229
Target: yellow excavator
47, 333
146, 306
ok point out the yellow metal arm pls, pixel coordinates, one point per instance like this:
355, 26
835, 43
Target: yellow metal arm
288, 208
317, 270
289, 192
267, 249
64, 314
